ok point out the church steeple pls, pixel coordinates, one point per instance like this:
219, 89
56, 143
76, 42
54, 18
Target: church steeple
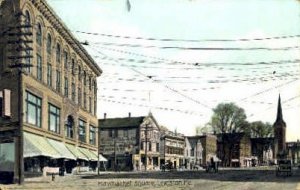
279, 117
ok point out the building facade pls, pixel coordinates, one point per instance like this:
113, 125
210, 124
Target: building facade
172, 148
199, 150
53, 87
130, 143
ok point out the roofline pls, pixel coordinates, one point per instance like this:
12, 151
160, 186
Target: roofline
62, 28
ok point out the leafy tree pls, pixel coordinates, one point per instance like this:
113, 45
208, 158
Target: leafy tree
228, 118
260, 129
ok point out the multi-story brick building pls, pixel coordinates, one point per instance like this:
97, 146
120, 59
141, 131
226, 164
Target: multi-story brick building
53, 87
172, 148
234, 149
130, 143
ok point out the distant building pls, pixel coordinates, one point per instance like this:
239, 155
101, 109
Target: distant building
172, 148
199, 150
263, 150
234, 149
130, 143
53, 100
293, 151
279, 133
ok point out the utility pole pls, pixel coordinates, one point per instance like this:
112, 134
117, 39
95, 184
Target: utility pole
146, 147
16, 42
115, 153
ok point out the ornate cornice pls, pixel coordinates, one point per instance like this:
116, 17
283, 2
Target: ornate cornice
62, 29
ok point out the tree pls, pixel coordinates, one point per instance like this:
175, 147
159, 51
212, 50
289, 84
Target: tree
228, 118
260, 129
231, 119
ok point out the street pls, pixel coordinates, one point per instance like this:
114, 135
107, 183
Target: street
234, 178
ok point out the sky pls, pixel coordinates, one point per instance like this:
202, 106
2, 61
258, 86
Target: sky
217, 51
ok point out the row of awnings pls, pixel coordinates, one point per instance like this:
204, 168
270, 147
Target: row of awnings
35, 145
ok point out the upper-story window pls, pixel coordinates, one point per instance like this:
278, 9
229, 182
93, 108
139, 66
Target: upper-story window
27, 21
65, 59
49, 44
58, 53
92, 135
69, 127
39, 69
79, 72
53, 118
33, 109
39, 34
84, 77
73, 67
81, 128
90, 83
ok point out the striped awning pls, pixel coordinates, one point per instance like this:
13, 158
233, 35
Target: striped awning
35, 145
91, 156
62, 149
75, 151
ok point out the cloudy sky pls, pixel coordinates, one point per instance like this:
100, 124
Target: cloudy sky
180, 58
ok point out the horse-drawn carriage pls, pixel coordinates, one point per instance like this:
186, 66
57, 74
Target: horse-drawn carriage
284, 167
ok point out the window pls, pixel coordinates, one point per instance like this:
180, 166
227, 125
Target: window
53, 118
33, 109
39, 34
27, 21
110, 133
90, 104
84, 77
39, 73
73, 67
157, 147
79, 96
84, 99
58, 54
49, 75
66, 87
95, 106
95, 88
92, 135
150, 146
125, 133
58, 80
192, 152
79, 72
82, 125
90, 83
49, 44
65, 60
142, 145
73, 92
69, 127
28, 61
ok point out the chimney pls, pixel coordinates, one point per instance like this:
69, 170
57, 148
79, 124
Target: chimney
129, 114
104, 116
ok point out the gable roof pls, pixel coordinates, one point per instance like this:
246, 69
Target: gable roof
121, 122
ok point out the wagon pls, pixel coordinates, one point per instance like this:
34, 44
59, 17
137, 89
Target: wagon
284, 167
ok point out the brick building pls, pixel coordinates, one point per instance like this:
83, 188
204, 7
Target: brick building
234, 149
130, 143
172, 148
52, 80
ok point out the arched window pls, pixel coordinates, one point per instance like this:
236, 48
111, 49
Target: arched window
58, 53
27, 21
49, 44
39, 34
69, 127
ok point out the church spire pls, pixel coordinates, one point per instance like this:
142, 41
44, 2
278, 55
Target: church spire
279, 111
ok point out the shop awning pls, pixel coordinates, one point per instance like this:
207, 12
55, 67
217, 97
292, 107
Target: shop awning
75, 151
62, 149
91, 156
101, 157
35, 145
